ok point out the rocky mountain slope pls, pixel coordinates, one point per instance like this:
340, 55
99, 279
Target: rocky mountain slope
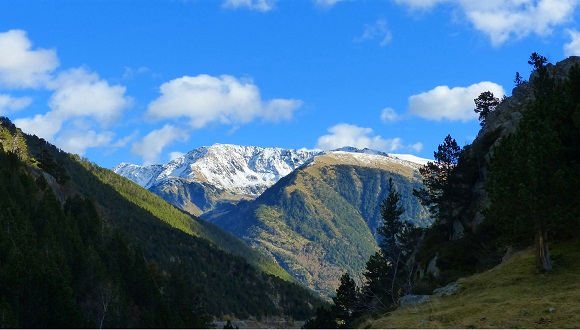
220, 174
499, 124
321, 219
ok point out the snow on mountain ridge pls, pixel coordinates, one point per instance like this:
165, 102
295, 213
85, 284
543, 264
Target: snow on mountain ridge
141, 175
246, 170
226, 166
412, 158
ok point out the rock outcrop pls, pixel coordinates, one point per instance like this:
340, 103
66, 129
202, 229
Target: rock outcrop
500, 123
440, 264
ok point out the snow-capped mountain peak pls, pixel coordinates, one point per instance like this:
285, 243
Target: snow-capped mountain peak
245, 170
240, 169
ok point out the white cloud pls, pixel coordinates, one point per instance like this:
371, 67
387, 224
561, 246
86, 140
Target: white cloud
22, 67
259, 5
573, 47
45, 126
389, 115
78, 141
503, 20
151, 146
416, 146
279, 109
517, 18
205, 99
346, 135
82, 94
174, 155
11, 104
377, 30
124, 141
78, 94
444, 103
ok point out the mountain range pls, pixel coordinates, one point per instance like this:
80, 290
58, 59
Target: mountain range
84, 247
315, 213
208, 176
225, 173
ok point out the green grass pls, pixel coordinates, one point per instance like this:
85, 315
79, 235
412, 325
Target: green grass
511, 295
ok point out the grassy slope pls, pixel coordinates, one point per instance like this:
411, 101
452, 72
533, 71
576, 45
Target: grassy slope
511, 295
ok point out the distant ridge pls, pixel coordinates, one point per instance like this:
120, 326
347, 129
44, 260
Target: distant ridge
245, 171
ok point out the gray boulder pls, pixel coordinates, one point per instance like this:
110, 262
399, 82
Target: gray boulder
445, 291
414, 300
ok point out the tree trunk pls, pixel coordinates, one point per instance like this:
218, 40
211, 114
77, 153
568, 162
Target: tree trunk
395, 300
543, 262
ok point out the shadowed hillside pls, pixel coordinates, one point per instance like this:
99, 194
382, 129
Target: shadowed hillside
175, 253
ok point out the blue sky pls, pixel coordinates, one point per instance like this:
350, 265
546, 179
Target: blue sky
145, 81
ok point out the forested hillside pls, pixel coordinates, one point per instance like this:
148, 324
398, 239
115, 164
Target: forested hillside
321, 220
82, 247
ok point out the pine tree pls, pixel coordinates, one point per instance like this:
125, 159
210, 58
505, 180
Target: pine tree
485, 104
441, 193
376, 290
346, 302
388, 271
537, 61
518, 80
393, 227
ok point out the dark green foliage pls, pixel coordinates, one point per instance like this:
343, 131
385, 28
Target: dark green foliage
346, 302
389, 272
185, 301
102, 260
54, 275
485, 104
324, 319
457, 258
533, 181
378, 276
7, 318
393, 230
442, 190
50, 166
518, 80
345, 309
537, 61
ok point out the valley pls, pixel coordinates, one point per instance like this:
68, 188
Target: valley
321, 239
314, 213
